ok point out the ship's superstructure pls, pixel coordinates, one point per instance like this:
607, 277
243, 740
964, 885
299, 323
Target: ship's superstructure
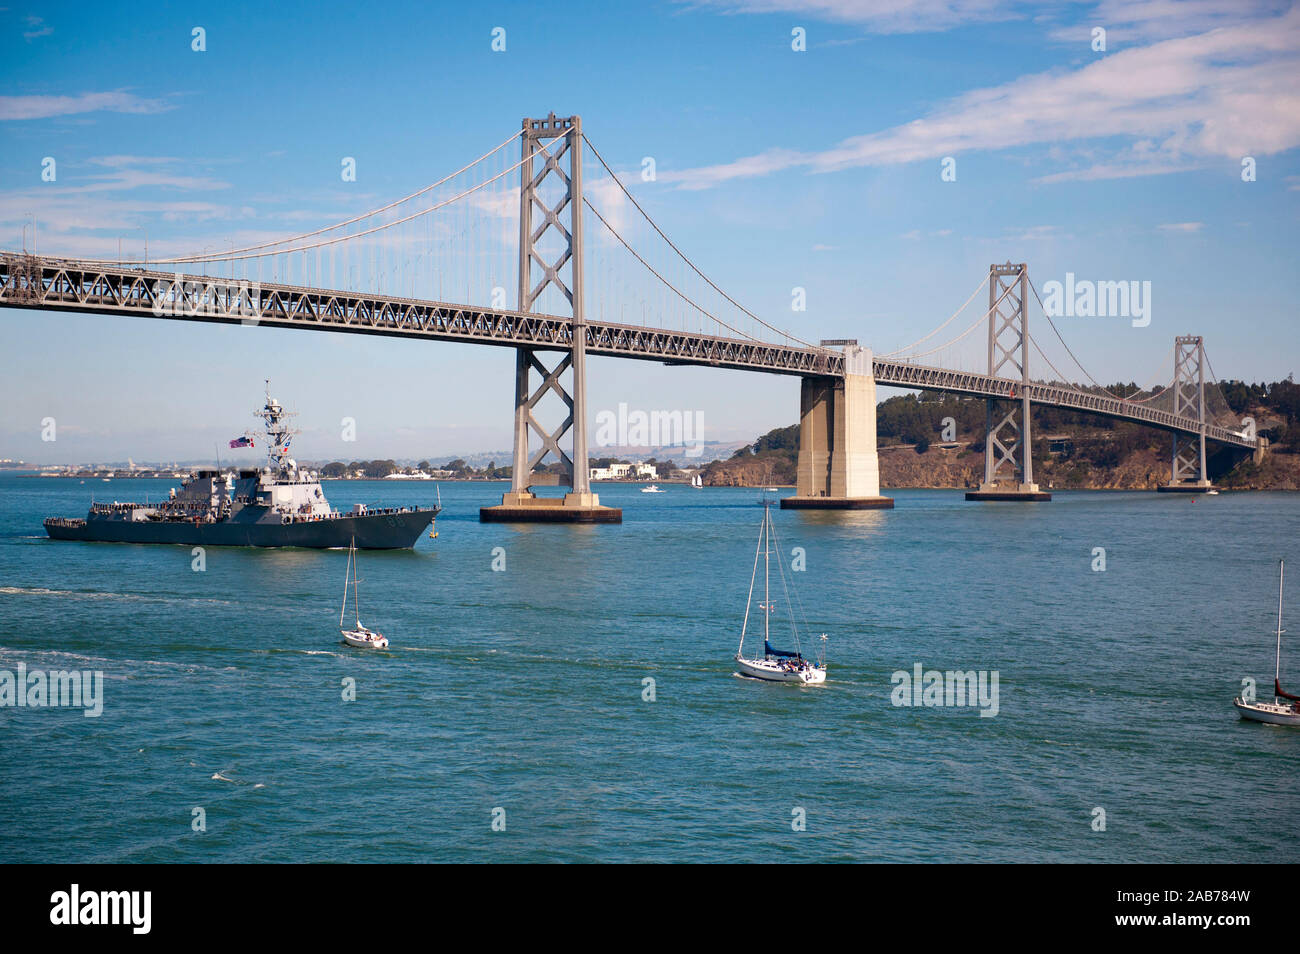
279, 505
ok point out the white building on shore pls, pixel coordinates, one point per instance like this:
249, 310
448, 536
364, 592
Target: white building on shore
625, 472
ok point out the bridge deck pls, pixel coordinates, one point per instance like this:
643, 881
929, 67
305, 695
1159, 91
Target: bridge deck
97, 288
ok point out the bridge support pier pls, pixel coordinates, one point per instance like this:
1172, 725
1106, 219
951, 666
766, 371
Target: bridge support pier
838, 468
1008, 333
1187, 474
580, 505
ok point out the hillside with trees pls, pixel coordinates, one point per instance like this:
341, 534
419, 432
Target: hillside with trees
1071, 449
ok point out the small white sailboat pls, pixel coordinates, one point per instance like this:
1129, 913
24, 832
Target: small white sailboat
697, 482
652, 489
1276, 712
776, 665
359, 635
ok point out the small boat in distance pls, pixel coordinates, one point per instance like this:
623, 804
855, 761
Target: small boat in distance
359, 635
652, 489
1276, 712
697, 482
776, 665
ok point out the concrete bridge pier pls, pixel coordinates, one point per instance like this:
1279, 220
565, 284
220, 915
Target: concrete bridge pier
838, 468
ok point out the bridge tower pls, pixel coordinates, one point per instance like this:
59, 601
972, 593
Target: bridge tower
554, 143
1005, 436
1188, 474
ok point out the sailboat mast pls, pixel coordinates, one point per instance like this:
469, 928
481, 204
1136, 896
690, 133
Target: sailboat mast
344, 609
356, 604
749, 600
1277, 660
767, 551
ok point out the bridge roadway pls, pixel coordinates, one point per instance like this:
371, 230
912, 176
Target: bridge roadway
54, 284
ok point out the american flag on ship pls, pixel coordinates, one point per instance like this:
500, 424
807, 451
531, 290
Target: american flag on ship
242, 442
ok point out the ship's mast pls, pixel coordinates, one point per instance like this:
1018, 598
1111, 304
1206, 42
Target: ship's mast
278, 433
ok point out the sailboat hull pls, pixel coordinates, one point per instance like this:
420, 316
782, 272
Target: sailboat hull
774, 671
364, 640
1268, 712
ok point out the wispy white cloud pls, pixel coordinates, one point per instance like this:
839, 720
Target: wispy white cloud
1178, 102
1036, 233
1181, 226
916, 234
46, 107
882, 16
36, 28
83, 214
1117, 170
1130, 22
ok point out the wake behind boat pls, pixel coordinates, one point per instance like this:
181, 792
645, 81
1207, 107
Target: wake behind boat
1276, 712
359, 635
776, 665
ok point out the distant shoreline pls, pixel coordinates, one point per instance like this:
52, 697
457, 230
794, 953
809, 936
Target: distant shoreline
635, 483
171, 475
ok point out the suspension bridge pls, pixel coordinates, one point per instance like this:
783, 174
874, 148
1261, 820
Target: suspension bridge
433, 265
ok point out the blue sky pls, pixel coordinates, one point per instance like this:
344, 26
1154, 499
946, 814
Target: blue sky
777, 169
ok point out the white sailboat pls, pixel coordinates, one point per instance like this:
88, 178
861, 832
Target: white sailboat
776, 665
359, 635
1277, 712
697, 482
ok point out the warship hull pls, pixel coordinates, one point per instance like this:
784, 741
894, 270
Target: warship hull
382, 531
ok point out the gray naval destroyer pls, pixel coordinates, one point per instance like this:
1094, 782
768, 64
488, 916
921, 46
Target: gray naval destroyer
278, 505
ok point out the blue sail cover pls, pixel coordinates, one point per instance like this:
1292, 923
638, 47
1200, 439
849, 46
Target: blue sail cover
771, 651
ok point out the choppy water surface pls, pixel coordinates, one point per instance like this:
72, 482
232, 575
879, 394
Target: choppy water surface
523, 689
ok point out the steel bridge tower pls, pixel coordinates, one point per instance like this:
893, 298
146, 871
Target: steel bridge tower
551, 157
1187, 474
1005, 435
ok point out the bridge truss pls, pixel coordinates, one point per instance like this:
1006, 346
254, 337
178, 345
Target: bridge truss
59, 285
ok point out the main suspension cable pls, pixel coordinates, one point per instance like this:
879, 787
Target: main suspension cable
682, 256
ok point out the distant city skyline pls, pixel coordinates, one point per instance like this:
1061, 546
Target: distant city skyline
876, 157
